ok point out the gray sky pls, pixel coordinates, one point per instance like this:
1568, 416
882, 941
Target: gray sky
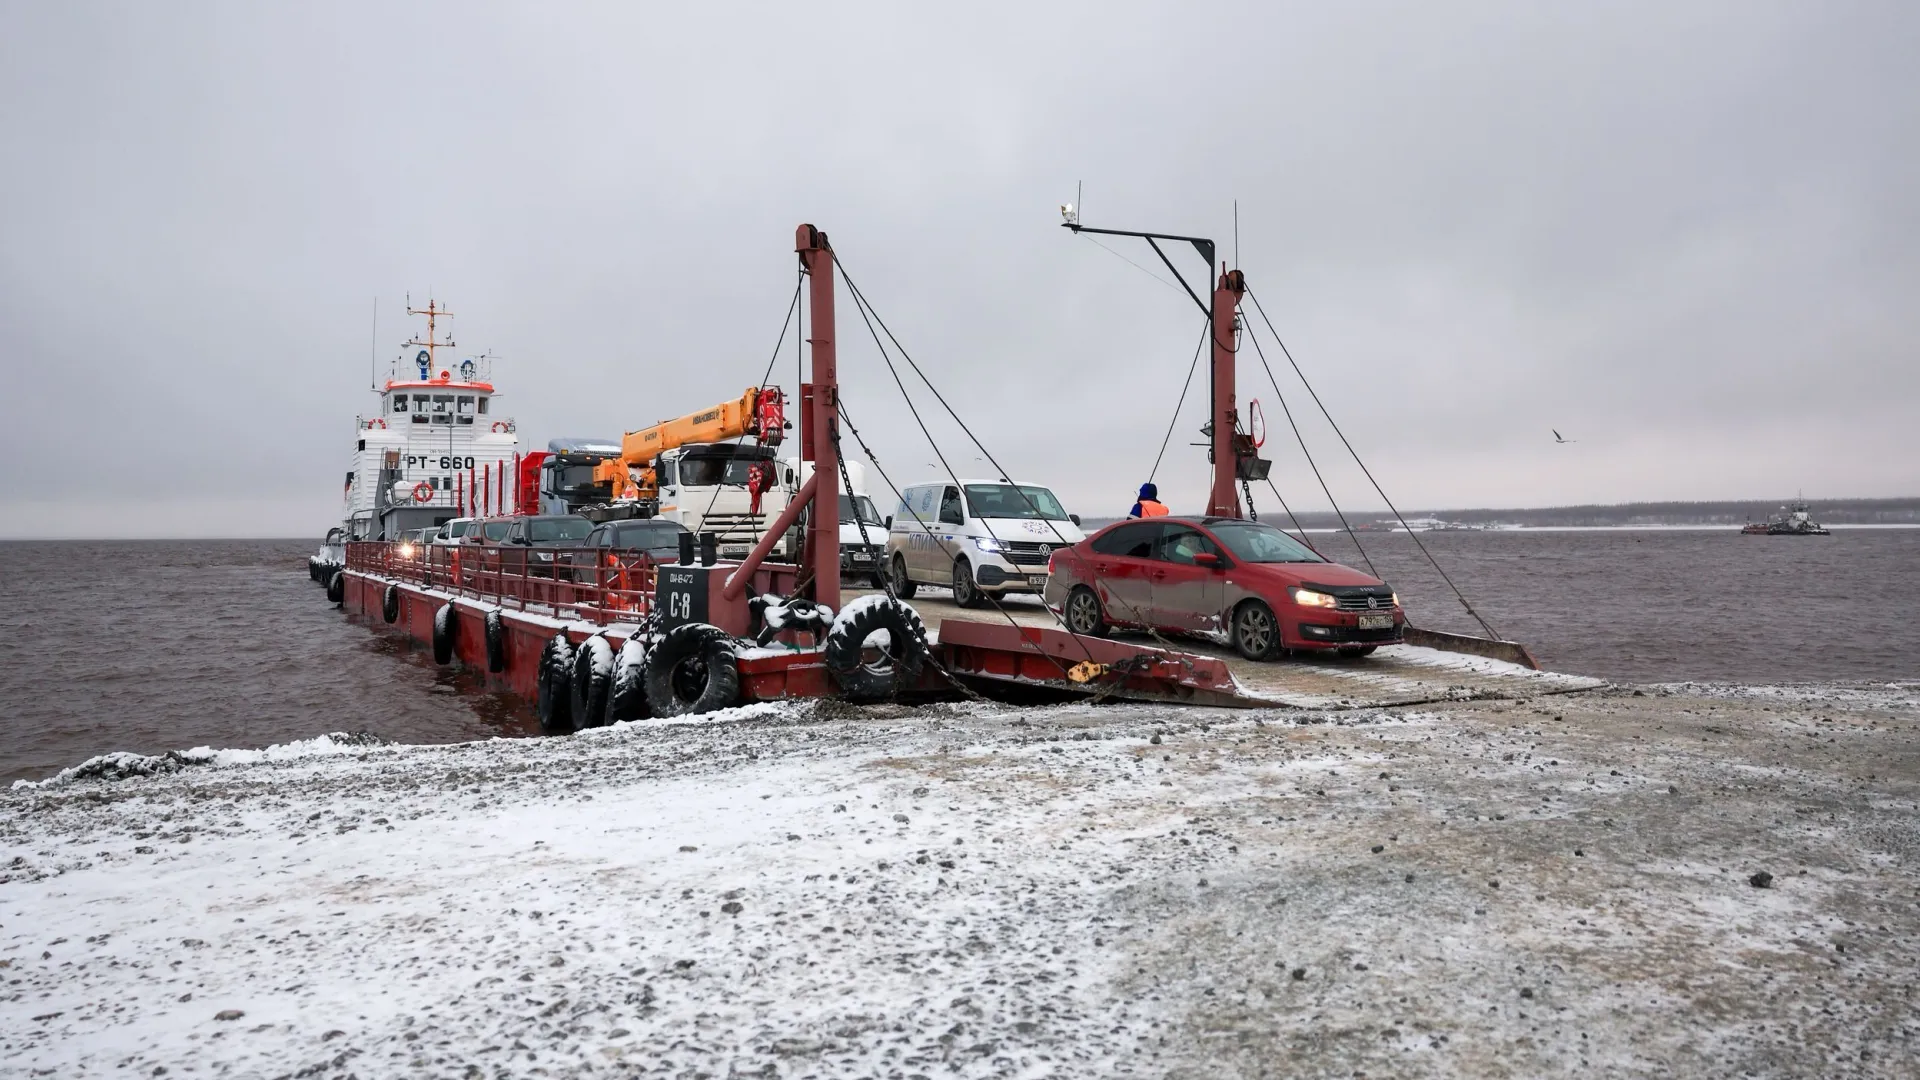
1685, 235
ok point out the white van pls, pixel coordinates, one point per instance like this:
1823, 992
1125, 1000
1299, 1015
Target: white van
860, 559
978, 537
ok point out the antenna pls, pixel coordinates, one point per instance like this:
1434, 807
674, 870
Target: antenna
373, 347
1079, 198
1236, 232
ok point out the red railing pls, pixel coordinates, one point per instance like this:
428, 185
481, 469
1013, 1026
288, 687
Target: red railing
587, 583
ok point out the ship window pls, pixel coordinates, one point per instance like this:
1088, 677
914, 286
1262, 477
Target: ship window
483, 406
443, 408
466, 405
399, 403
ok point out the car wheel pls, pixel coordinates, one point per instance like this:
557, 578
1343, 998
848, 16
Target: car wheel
1083, 613
1256, 633
903, 586
965, 592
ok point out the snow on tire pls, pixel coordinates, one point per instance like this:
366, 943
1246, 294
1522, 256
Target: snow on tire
692, 671
592, 678
628, 700
890, 629
553, 691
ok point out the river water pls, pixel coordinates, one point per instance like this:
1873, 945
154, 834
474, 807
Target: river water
154, 645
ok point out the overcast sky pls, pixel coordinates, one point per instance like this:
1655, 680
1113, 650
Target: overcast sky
1684, 235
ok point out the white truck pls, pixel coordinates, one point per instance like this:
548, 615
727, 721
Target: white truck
860, 553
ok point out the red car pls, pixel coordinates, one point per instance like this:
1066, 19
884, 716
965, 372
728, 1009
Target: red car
1236, 582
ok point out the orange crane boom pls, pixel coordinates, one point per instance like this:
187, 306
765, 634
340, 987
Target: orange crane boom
760, 412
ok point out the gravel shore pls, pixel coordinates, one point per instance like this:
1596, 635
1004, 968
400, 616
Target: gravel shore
1689, 880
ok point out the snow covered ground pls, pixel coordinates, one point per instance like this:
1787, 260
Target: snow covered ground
1474, 889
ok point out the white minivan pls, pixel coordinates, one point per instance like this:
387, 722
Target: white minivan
977, 537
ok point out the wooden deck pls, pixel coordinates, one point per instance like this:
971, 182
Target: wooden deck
1393, 675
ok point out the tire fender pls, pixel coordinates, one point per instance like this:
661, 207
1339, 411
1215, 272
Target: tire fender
553, 691
901, 658
390, 604
496, 635
628, 697
591, 679
446, 634
699, 657
337, 587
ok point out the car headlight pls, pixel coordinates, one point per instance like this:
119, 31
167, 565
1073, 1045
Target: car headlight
1309, 598
543, 556
1396, 599
406, 550
987, 543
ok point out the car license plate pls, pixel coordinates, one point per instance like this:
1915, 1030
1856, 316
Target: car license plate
1038, 581
1376, 622
861, 556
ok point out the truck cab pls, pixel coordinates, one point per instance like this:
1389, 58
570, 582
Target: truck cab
705, 487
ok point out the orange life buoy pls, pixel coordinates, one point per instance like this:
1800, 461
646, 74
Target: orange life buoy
377, 421
422, 492
499, 425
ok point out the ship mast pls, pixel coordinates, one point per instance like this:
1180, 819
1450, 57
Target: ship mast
433, 312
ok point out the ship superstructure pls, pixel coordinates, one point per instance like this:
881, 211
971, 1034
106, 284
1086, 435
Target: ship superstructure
437, 448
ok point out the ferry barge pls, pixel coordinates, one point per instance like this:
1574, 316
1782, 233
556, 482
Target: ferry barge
602, 636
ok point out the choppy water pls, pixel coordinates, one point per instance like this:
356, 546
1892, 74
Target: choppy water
157, 645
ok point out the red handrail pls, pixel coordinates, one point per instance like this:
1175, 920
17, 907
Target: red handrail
596, 584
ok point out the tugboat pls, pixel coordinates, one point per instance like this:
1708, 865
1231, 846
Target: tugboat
1797, 521
435, 450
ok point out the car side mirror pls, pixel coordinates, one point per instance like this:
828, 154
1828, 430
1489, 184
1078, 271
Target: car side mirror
1208, 559
889, 521
1075, 518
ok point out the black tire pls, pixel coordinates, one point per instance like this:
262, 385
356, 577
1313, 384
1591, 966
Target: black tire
552, 692
390, 604
903, 586
1082, 613
898, 665
446, 634
591, 681
313, 569
628, 698
966, 592
1256, 632
1355, 652
337, 587
692, 671
496, 635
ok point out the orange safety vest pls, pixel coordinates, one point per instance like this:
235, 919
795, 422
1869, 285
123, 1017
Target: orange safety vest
1150, 508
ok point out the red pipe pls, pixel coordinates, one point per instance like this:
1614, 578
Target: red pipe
1224, 500
737, 582
823, 529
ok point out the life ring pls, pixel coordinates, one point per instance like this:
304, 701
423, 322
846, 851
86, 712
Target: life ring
377, 422
898, 666
692, 671
496, 635
390, 604
422, 492
500, 426
446, 634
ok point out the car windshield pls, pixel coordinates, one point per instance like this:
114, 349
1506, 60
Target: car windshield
650, 537
860, 504
1014, 501
548, 530
496, 530
1253, 542
457, 529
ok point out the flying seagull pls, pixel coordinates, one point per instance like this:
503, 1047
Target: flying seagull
1559, 438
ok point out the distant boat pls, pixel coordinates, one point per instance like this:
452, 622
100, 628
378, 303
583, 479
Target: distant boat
1797, 521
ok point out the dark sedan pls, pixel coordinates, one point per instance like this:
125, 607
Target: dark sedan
1243, 583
